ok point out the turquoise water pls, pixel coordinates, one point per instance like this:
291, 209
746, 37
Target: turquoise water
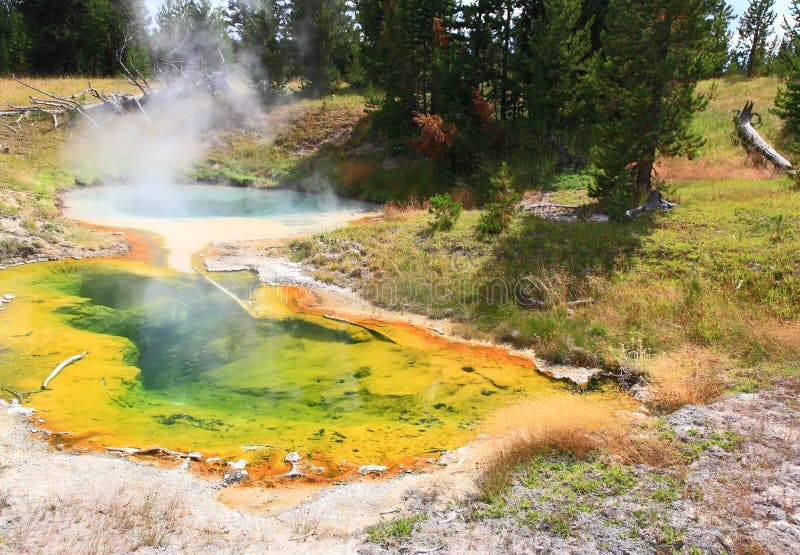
203, 201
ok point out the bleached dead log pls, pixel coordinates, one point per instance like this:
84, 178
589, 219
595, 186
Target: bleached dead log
61, 366
227, 293
655, 201
154, 451
753, 141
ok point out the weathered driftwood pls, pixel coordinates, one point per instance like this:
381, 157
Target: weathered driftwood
227, 293
16, 394
655, 201
60, 367
753, 141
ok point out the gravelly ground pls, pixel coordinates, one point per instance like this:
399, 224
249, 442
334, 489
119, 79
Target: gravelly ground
740, 495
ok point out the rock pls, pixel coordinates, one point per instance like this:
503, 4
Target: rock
371, 469
214, 460
293, 457
232, 477
195, 456
123, 450
9, 297
238, 465
295, 472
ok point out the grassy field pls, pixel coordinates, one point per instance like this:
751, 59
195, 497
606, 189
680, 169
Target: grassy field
13, 93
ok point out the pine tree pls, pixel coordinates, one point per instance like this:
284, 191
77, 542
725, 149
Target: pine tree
325, 39
80, 37
193, 34
401, 54
787, 102
264, 46
13, 40
755, 36
553, 61
721, 35
655, 53
790, 42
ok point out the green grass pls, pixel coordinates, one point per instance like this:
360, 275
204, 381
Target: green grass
715, 124
387, 530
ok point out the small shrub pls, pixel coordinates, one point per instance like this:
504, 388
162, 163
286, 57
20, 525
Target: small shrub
445, 212
617, 204
502, 206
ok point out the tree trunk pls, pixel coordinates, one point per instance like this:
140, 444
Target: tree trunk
644, 175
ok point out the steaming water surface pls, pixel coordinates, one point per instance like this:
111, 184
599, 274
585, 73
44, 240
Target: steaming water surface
189, 217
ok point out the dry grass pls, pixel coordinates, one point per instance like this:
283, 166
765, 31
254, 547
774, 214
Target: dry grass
564, 439
688, 376
571, 425
14, 93
126, 520
402, 211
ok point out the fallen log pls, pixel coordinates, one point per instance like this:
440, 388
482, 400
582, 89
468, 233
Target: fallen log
753, 141
375, 333
655, 201
154, 451
60, 367
229, 294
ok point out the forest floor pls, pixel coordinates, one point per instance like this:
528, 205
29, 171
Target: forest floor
698, 306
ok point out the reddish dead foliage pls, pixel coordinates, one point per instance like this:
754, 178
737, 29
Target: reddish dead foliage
436, 137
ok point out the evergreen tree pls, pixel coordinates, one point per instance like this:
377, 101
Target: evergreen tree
755, 36
401, 54
192, 36
553, 61
264, 46
655, 53
790, 42
721, 35
488, 26
79, 37
787, 102
326, 41
13, 40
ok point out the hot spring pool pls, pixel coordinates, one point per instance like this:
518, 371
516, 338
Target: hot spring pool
189, 217
174, 363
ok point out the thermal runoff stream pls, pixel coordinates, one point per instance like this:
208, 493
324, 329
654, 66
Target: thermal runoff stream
174, 362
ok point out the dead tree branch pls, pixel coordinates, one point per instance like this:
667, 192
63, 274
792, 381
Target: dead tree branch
753, 141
